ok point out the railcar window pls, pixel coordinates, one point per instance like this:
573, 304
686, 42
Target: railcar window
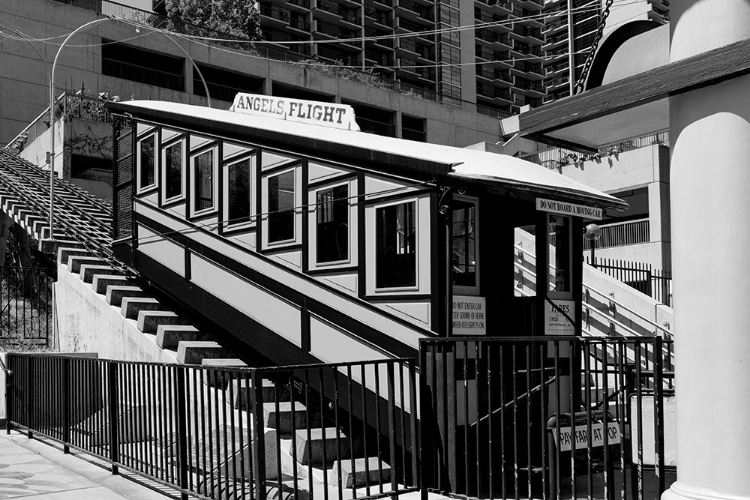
396, 254
332, 225
147, 165
239, 192
204, 181
281, 207
463, 256
173, 166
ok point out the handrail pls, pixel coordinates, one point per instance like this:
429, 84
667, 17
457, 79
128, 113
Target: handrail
601, 294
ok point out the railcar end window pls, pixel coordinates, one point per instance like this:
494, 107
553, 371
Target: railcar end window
332, 224
396, 254
173, 171
281, 207
147, 165
463, 255
203, 165
239, 192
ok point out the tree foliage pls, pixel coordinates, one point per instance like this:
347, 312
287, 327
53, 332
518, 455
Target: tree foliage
235, 17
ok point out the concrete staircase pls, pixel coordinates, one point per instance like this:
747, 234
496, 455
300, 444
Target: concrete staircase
172, 333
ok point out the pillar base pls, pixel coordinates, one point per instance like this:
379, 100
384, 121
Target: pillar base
679, 491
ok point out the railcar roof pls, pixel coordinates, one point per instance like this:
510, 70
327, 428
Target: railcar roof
492, 169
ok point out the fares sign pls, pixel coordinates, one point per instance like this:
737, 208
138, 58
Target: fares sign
582, 439
340, 116
561, 207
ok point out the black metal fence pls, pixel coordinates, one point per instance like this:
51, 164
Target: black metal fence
340, 430
25, 307
655, 283
538, 418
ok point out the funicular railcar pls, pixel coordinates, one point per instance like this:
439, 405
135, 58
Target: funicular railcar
301, 239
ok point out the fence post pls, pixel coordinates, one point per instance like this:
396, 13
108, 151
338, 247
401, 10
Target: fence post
659, 413
259, 439
114, 416
425, 445
182, 431
29, 395
8, 395
66, 404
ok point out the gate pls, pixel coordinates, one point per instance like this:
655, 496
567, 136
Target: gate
539, 418
25, 307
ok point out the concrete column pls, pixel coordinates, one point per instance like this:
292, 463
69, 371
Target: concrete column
710, 182
659, 231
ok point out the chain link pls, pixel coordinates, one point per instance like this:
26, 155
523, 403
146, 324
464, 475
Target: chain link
578, 88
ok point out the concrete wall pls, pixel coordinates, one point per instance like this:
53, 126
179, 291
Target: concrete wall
23, 92
87, 323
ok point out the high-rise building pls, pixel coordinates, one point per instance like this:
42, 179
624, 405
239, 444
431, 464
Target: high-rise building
570, 28
486, 52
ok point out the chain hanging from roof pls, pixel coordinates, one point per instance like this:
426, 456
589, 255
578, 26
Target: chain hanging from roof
578, 88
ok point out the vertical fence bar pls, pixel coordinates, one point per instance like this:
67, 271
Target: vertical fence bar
66, 404
182, 431
114, 414
659, 415
259, 447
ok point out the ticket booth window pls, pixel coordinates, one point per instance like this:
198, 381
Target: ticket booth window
560, 262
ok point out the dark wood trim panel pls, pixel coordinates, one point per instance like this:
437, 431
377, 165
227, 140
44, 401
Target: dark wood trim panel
292, 295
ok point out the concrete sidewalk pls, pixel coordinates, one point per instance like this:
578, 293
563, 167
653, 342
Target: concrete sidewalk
32, 468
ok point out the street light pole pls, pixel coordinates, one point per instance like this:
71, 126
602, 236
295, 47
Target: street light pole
52, 124
592, 233
52, 103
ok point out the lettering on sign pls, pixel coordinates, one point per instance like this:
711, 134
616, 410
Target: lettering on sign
581, 434
469, 315
555, 322
340, 116
561, 207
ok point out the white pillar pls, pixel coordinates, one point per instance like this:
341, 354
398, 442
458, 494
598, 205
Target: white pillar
710, 186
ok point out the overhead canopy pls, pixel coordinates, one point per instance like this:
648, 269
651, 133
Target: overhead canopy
634, 96
389, 154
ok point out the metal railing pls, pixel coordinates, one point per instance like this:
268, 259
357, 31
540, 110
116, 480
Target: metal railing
540, 418
342, 429
655, 283
602, 312
622, 234
68, 104
26, 304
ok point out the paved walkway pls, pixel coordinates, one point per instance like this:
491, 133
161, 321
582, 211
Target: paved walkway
31, 468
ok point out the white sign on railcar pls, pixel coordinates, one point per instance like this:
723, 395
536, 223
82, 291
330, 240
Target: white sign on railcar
564, 208
469, 315
557, 317
581, 435
340, 116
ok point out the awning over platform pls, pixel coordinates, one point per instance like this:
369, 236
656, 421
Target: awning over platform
446, 162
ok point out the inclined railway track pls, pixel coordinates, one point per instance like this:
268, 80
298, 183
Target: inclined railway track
80, 219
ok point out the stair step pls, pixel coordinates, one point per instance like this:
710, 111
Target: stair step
64, 253
150, 320
193, 352
115, 293
131, 306
366, 471
76, 261
244, 392
281, 420
214, 377
88, 271
101, 282
169, 336
311, 452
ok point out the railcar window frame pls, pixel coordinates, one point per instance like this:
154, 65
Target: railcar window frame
180, 197
229, 223
140, 188
403, 244
213, 179
351, 223
462, 288
270, 216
